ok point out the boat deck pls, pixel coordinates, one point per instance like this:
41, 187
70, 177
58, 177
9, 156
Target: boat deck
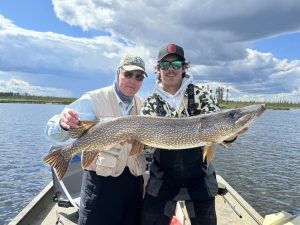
69, 216
231, 209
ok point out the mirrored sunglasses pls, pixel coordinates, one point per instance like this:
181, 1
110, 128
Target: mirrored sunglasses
138, 77
176, 64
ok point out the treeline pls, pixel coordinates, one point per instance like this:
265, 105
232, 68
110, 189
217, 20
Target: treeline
11, 97
13, 94
221, 96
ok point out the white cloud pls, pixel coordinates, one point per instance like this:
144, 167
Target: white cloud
78, 61
32, 51
22, 87
259, 74
281, 97
87, 14
216, 37
210, 30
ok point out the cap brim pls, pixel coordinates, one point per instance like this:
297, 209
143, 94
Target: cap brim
133, 67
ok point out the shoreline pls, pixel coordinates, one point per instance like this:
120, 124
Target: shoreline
62, 101
269, 105
224, 105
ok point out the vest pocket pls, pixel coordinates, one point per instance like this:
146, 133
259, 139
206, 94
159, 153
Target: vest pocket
106, 164
137, 165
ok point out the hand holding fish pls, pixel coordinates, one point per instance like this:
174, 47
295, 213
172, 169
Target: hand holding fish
69, 119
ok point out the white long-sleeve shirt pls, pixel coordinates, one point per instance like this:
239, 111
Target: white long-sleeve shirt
92, 106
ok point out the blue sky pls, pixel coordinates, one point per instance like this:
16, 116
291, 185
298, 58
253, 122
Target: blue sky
65, 48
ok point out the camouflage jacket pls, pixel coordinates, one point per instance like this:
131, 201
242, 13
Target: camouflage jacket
204, 103
181, 164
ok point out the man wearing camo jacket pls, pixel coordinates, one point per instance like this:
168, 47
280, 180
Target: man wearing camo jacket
179, 175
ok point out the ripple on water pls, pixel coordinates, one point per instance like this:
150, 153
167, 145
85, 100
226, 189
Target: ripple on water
263, 166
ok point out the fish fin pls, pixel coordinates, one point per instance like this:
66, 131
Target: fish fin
88, 157
83, 127
137, 148
59, 161
209, 152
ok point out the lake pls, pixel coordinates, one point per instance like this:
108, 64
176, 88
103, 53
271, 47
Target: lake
262, 165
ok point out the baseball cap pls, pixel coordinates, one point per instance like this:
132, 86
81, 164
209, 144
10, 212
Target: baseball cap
170, 49
132, 62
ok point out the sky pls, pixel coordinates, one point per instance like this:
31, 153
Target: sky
68, 47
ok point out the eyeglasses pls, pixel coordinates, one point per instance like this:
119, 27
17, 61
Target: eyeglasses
176, 64
138, 77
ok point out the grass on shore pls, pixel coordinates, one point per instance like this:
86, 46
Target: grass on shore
36, 99
269, 105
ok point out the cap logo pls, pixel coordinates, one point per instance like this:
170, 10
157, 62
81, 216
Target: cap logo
137, 61
133, 60
171, 48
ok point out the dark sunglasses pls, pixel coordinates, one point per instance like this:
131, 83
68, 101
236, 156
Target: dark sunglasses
138, 77
176, 64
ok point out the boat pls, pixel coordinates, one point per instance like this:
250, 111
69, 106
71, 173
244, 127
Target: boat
58, 203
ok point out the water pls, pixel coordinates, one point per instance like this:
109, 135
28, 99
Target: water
261, 165
23, 145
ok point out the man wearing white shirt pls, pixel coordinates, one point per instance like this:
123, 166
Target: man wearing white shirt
112, 187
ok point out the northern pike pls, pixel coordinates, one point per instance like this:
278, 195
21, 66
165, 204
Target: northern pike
159, 132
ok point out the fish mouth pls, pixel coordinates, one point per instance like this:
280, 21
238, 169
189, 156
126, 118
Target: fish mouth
251, 114
256, 110
261, 110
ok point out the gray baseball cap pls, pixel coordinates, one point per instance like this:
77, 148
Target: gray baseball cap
132, 62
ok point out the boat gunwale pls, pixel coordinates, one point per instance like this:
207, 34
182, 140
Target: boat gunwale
35, 202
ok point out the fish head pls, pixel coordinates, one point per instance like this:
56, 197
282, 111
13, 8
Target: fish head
223, 124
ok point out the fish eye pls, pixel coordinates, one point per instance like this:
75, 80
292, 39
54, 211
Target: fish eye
231, 114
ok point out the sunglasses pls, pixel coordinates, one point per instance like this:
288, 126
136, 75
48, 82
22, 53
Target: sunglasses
176, 64
138, 77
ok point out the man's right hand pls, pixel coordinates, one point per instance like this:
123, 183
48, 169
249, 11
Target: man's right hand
69, 119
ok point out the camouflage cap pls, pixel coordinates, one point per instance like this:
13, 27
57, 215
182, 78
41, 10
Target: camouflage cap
132, 62
170, 49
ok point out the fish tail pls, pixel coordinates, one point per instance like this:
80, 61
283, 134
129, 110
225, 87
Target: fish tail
209, 152
59, 161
